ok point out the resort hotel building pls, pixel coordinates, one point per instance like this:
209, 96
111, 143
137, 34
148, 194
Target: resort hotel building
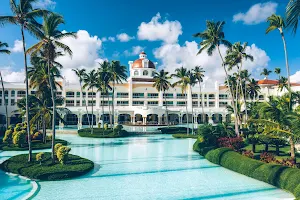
137, 102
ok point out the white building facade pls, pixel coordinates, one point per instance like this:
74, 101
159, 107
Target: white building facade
137, 102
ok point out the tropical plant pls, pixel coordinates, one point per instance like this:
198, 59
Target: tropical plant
266, 73
282, 84
25, 18
292, 14
277, 71
192, 82
162, 84
199, 75
81, 73
4, 100
253, 89
182, 74
3, 50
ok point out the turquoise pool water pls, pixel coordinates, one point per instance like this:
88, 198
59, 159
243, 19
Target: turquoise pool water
150, 167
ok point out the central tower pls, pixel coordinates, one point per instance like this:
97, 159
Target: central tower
142, 67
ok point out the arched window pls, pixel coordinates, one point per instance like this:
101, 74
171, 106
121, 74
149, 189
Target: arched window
136, 73
145, 73
153, 74
261, 97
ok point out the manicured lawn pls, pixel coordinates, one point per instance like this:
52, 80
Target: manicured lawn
99, 133
181, 135
75, 166
36, 145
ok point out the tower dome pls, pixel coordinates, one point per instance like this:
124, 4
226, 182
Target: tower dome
143, 62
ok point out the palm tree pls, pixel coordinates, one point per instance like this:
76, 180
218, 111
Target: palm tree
277, 22
266, 73
245, 78
199, 74
212, 38
282, 84
162, 84
182, 74
90, 82
292, 14
277, 71
253, 88
24, 16
119, 74
192, 82
6, 51
80, 73
50, 43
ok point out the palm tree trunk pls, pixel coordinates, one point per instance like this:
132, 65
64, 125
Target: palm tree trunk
27, 94
92, 129
292, 144
86, 109
167, 118
192, 111
44, 130
102, 113
113, 102
3, 91
109, 111
187, 114
237, 132
202, 106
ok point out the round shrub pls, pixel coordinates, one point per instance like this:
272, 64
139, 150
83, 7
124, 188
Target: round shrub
20, 138
62, 154
8, 136
56, 147
40, 157
105, 126
18, 128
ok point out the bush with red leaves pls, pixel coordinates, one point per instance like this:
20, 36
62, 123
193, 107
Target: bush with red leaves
235, 143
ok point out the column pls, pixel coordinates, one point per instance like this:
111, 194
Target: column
223, 117
160, 99
144, 120
210, 121
159, 120
180, 119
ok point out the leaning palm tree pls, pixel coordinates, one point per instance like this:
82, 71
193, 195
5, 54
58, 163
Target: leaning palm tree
90, 81
182, 74
80, 73
266, 73
212, 38
6, 51
50, 42
119, 74
293, 14
162, 84
24, 17
199, 75
277, 22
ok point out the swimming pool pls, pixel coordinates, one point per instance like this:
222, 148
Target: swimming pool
152, 167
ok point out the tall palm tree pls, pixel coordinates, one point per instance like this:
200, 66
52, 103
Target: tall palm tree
182, 74
162, 84
212, 38
277, 71
277, 22
282, 83
192, 82
293, 14
199, 74
266, 73
119, 74
50, 43
245, 78
253, 88
24, 17
4, 51
90, 82
80, 73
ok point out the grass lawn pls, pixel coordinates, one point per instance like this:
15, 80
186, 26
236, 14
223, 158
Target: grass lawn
75, 166
36, 145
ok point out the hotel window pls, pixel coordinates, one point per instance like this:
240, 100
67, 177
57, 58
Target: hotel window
211, 104
136, 73
84, 102
12, 102
78, 94
70, 94
122, 95
19, 93
181, 96
91, 94
223, 104
59, 94
0, 102
205, 104
106, 94
195, 103
138, 95
205, 96
70, 103
90, 103
122, 103
6, 93
152, 95
223, 96
78, 103
211, 96
6, 101
181, 103
83, 94
137, 103
170, 103
145, 73
13, 93
0, 93
168, 95
261, 97
153, 74
195, 96
152, 103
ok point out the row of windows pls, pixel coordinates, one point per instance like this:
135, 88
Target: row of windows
13, 93
145, 73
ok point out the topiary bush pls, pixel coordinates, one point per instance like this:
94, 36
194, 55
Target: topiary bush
8, 136
56, 147
40, 157
19, 138
105, 126
62, 154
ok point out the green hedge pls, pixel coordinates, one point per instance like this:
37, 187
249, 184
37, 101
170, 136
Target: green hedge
98, 133
184, 135
36, 145
173, 130
280, 176
202, 148
75, 166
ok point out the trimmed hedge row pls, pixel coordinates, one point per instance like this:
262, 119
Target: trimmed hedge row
74, 167
173, 130
181, 135
98, 133
36, 145
280, 176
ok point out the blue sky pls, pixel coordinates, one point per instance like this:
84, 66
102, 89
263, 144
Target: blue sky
163, 29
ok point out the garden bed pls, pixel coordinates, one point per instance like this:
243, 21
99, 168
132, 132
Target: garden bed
99, 133
182, 135
74, 167
174, 130
36, 145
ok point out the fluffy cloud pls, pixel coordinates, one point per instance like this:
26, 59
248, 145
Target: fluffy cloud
124, 37
12, 76
85, 54
46, 4
173, 56
105, 39
257, 13
134, 51
157, 30
18, 47
296, 77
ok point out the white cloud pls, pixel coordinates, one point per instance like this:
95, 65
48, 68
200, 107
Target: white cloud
295, 77
45, 4
112, 39
85, 54
134, 51
18, 47
257, 13
124, 37
104, 39
173, 56
12, 76
155, 30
